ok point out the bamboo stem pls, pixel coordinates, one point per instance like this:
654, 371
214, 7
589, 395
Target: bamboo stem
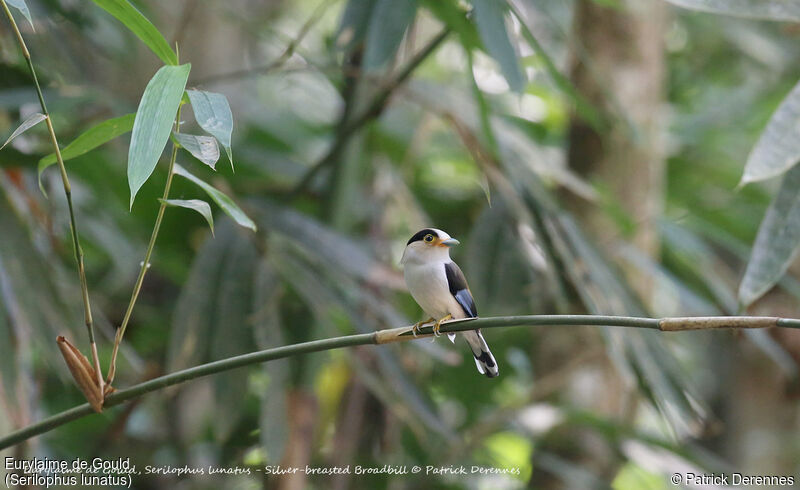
393, 335
112, 368
87, 309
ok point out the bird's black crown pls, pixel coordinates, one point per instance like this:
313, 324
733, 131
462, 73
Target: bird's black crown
418, 236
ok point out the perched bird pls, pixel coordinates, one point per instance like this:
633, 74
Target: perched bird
440, 288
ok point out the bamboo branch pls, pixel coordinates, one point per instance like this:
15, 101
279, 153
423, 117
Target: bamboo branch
112, 368
87, 309
393, 335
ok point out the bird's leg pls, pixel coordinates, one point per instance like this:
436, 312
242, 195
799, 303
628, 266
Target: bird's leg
438, 324
417, 325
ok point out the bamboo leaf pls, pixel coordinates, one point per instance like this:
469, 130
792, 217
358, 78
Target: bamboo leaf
776, 242
783, 10
198, 205
388, 22
778, 147
454, 16
91, 139
153, 122
26, 125
490, 19
138, 24
224, 202
213, 114
22, 7
204, 148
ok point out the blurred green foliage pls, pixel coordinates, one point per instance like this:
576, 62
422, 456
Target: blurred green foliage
339, 159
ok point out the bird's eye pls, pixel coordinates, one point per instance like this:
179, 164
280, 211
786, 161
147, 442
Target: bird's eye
428, 238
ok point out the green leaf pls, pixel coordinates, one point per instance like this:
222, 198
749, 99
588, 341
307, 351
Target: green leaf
26, 125
778, 147
213, 114
91, 139
387, 26
154, 118
788, 11
490, 19
137, 23
198, 205
454, 16
776, 242
22, 7
225, 202
204, 148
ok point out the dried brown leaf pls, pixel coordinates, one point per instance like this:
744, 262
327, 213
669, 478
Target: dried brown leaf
82, 372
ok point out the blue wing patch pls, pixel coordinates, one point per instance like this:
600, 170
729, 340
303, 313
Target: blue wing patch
459, 289
464, 298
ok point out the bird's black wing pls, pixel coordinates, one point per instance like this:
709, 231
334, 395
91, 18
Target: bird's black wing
459, 289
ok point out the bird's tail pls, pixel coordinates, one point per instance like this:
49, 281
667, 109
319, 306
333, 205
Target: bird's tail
484, 360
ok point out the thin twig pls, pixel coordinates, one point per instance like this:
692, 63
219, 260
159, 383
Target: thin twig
394, 335
87, 309
112, 368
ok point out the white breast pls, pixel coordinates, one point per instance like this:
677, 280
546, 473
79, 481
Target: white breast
427, 283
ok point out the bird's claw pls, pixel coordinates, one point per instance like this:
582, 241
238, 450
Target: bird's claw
438, 325
416, 327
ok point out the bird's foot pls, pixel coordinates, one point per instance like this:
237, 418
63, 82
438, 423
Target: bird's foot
417, 325
438, 325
